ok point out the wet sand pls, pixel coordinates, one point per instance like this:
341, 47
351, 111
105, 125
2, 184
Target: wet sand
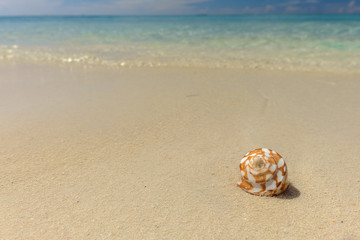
153, 153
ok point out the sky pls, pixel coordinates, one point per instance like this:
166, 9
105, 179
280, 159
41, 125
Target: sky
176, 7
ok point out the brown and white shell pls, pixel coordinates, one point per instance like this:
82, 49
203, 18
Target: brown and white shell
263, 172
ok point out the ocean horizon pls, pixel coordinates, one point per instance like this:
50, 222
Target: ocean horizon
294, 42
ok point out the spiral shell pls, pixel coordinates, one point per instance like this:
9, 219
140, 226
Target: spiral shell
263, 172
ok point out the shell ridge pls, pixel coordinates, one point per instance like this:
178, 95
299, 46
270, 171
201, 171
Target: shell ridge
263, 172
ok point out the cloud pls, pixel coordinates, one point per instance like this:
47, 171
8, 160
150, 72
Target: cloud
126, 7
352, 8
168, 7
291, 9
97, 7
312, 1
269, 8
18, 7
288, 3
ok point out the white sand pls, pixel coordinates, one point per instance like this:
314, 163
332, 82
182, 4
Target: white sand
154, 153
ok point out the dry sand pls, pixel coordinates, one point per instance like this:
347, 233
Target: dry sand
154, 153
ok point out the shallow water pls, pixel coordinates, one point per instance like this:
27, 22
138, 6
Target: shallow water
305, 42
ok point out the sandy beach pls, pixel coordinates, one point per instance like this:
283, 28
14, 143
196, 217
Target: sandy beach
153, 153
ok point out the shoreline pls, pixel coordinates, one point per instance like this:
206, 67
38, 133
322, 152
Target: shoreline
148, 66
97, 57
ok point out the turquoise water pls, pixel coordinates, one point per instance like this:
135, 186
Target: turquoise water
329, 42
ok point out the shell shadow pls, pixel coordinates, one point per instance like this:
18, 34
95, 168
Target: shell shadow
291, 193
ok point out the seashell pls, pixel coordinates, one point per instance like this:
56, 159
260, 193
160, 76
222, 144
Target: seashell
263, 172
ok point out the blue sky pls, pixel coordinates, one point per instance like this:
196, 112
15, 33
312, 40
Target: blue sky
168, 7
